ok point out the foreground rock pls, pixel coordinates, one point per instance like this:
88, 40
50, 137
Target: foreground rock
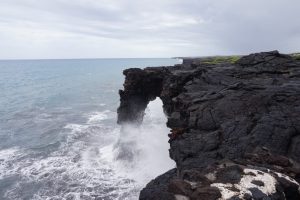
235, 128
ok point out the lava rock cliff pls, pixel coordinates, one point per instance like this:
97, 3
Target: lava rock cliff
235, 127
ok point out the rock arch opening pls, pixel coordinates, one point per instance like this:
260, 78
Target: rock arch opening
143, 149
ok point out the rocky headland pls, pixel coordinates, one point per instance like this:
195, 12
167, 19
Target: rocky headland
235, 126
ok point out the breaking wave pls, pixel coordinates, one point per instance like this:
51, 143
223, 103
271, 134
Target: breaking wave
94, 160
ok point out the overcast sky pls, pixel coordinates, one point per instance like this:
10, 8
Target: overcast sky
146, 28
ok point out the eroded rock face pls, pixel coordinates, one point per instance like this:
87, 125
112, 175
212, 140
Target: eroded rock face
140, 87
247, 113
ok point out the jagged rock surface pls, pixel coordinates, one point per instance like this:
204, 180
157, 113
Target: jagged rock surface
235, 128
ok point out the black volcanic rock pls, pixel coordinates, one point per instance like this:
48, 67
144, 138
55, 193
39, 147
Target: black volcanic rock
141, 87
227, 121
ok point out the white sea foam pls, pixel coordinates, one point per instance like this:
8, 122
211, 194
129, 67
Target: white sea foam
7, 156
76, 170
85, 165
98, 117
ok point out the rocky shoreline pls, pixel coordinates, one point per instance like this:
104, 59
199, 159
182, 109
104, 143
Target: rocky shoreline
235, 126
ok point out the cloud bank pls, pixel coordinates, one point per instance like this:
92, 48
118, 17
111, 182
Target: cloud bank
144, 28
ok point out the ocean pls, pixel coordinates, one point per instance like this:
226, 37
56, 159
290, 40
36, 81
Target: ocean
58, 133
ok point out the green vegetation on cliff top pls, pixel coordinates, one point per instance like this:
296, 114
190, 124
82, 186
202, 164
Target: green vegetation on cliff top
220, 59
213, 60
296, 56
232, 59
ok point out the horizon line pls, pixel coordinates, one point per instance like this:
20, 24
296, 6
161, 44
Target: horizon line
28, 59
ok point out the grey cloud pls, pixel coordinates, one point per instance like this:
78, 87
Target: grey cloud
166, 27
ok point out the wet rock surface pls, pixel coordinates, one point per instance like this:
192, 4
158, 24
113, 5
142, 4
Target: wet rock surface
235, 128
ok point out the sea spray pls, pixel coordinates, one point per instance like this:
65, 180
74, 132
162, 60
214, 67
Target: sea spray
141, 152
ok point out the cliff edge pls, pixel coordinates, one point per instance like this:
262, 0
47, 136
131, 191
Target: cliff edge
235, 126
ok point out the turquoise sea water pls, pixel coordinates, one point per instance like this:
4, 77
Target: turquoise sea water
58, 131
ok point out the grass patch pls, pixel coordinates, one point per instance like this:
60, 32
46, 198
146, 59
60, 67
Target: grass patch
296, 56
220, 59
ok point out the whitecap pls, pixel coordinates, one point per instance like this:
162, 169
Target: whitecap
8, 158
97, 117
